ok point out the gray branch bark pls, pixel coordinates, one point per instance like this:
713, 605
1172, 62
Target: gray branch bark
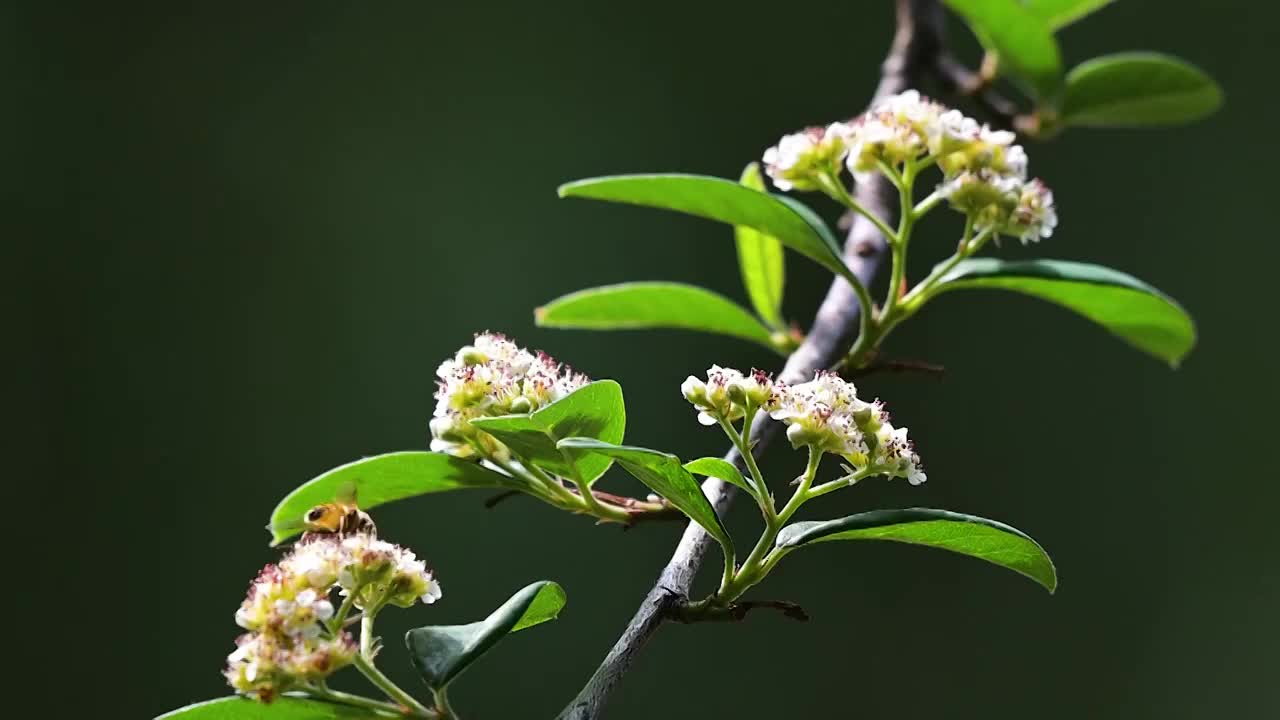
916, 47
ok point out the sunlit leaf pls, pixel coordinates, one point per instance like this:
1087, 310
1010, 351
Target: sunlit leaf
1134, 89
721, 470
977, 537
1021, 39
1130, 309
761, 261
1057, 14
442, 652
382, 479
663, 474
719, 199
640, 305
595, 410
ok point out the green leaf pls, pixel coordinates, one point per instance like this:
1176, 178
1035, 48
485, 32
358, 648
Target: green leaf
1022, 40
761, 260
976, 537
595, 410
638, 305
1130, 309
282, 708
663, 474
382, 479
1136, 89
721, 470
442, 652
1058, 14
719, 199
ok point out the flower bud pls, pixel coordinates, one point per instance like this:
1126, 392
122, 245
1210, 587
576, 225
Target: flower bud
694, 390
471, 355
521, 406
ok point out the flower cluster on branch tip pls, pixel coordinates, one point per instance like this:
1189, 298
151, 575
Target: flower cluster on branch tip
492, 377
984, 172
824, 414
295, 636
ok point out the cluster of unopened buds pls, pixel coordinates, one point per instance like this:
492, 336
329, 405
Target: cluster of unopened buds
295, 637
984, 172
493, 376
824, 414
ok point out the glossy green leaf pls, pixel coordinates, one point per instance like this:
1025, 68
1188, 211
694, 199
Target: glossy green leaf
977, 537
720, 469
1058, 14
442, 652
282, 708
719, 199
382, 479
1130, 309
761, 260
1136, 89
663, 474
595, 410
641, 305
1023, 41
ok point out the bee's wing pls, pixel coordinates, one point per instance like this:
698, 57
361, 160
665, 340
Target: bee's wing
346, 493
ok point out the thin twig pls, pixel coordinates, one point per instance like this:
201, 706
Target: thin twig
916, 45
955, 78
898, 366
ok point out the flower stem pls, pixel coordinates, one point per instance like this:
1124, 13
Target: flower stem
393, 691
835, 189
443, 707
337, 696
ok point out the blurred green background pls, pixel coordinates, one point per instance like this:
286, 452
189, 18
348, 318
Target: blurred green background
254, 231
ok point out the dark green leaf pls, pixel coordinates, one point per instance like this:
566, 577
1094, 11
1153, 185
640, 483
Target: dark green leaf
719, 199
1022, 40
719, 469
595, 411
1058, 14
382, 479
663, 474
1133, 89
965, 534
640, 305
282, 708
761, 260
442, 652
1130, 309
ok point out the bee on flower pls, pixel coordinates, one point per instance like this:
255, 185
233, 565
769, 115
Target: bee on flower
295, 637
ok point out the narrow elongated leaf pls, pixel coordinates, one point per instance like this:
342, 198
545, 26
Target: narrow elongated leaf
1130, 309
719, 199
640, 305
282, 708
1139, 88
1058, 14
382, 479
969, 535
720, 469
663, 474
1022, 40
761, 260
442, 652
595, 410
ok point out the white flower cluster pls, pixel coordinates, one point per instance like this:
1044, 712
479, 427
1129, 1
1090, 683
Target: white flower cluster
288, 606
493, 376
727, 393
985, 173
824, 413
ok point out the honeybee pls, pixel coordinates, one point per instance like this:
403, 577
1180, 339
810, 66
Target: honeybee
340, 517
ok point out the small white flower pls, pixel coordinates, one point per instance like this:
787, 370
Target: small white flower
1035, 216
712, 398
797, 161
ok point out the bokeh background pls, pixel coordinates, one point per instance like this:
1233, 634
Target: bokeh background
248, 234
